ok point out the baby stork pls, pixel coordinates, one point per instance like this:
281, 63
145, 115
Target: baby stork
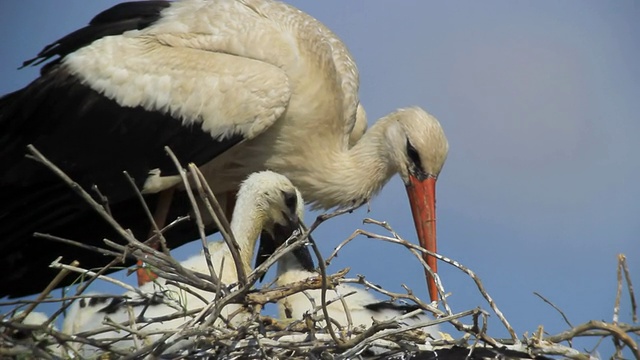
265, 200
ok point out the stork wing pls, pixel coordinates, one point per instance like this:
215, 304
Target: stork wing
108, 107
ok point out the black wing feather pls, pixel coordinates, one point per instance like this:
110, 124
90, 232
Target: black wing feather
387, 305
93, 140
116, 20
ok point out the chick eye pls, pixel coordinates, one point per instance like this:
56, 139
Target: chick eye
413, 155
291, 201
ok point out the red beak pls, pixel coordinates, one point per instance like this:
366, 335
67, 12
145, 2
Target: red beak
422, 198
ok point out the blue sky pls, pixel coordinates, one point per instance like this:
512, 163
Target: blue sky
539, 101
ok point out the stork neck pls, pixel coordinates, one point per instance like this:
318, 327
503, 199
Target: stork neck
352, 176
248, 221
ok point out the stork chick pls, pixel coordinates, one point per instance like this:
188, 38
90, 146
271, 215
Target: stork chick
265, 200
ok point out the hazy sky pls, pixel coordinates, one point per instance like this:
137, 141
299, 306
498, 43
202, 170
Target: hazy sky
539, 101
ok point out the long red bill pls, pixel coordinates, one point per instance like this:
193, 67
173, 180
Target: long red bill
422, 198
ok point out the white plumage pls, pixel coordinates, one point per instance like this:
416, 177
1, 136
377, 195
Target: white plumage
264, 200
363, 307
235, 86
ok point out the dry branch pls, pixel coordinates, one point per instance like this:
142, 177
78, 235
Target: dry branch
208, 334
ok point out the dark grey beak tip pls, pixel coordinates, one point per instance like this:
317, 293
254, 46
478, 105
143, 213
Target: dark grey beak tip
294, 221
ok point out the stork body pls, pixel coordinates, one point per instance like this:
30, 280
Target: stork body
234, 86
265, 200
357, 304
362, 306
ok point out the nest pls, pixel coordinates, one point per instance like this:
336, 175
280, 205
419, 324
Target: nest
259, 337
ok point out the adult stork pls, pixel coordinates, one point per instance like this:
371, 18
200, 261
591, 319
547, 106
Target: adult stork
234, 86
266, 201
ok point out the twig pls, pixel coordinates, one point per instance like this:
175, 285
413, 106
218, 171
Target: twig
156, 229
103, 199
566, 320
52, 285
634, 306
158, 259
411, 248
216, 212
36, 155
323, 291
423, 262
199, 222
324, 217
394, 296
77, 244
273, 295
62, 338
54, 300
372, 334
455, 264
296, 240
81, 288
612, 329
616, 306
58, 265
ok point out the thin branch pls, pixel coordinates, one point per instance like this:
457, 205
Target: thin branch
52, 285
103, 199
36, 155
566, 320
370, 335
82, 287
616, 306
273, 295
323, 292
199, 222
78, 244
634, 306
216, 212
56, 264
427, 268
612, 329
455, 264
156, 229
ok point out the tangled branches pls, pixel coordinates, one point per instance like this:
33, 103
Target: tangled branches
209, 329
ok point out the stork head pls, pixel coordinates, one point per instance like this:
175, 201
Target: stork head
277, 201
280, 206
418, 148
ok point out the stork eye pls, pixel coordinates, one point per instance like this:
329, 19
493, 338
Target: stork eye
291, 201
413, 155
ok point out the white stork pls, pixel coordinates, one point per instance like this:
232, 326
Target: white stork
265, 200
297, 265
362, 306
26, 341
234, 86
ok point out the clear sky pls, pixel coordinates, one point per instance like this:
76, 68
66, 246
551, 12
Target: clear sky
539, 101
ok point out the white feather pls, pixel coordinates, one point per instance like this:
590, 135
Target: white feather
260, 205
355, 300
272, 73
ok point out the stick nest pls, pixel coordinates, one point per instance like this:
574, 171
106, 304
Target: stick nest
261, 337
